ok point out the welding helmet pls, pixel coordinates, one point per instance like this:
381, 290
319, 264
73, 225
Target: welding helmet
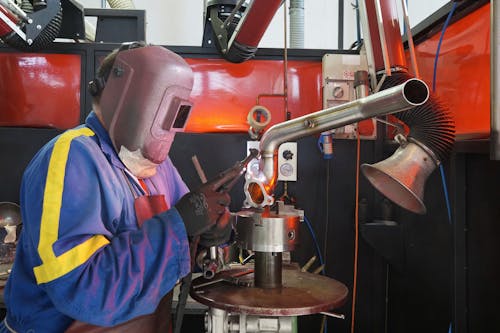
144, 102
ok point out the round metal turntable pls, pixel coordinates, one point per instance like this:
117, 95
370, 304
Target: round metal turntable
301, 293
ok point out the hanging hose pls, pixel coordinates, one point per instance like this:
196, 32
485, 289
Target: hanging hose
297, 24
431, 124
238, 38
46, 36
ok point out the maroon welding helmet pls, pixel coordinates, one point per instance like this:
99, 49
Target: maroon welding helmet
146, 101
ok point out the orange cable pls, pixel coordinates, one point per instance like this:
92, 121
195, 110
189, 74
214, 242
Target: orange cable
356, 235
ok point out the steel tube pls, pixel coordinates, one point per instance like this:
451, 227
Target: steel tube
267, 272
367, 41
14, 8
383, 42
412, 93
413, 56
384, 34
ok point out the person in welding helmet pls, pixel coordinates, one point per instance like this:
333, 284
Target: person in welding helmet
107, 218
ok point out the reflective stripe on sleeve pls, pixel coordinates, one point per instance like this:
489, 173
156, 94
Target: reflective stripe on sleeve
53, 266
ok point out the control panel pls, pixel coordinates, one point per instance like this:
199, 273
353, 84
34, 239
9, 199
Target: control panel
287, 161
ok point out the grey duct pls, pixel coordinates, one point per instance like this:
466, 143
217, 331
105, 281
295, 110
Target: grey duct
297, 24
495, 86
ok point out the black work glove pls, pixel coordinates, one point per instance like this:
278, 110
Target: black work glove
201, 209
220, 233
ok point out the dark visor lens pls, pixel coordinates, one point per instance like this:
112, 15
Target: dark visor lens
182, 116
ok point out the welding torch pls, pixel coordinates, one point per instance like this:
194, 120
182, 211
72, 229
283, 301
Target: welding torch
227, 179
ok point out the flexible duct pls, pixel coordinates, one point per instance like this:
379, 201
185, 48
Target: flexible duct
243, 43
431, 123
297, 24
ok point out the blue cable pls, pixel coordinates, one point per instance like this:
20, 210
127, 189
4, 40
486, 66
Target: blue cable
445, 188
313, 235
441, 169
309, 226
445, 26
446, 23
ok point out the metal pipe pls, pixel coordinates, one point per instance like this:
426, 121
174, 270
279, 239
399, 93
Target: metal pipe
413, 92
383, 42
341, 25
285, 62
268, 272
367, 42
413, 56
382, 21
361, 84
7, 25
495, 86
14, 8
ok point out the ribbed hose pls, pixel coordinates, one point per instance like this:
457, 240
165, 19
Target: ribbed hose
48, 34
239, 53
121, 4
297, 24
431, 123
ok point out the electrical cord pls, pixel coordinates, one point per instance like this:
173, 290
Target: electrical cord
327, 217
441, 169
356, 234
445, 188
316, 244
445, 26
323, 328
434, 76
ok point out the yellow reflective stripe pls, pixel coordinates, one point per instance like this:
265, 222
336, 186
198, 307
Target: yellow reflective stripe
52, 266
66, 262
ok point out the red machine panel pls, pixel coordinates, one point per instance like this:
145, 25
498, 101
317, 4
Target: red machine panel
225, 92
463, 71
40, 90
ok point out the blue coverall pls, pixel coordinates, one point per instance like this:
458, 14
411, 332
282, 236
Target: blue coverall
81, 254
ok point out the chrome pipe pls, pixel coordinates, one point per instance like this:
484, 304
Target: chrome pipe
409, 34
410, 94
15, 9
383, 42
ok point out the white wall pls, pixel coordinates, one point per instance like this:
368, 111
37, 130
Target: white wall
180, 22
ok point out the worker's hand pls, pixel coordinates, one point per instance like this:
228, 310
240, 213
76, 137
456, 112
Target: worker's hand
201, 209
220, 233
